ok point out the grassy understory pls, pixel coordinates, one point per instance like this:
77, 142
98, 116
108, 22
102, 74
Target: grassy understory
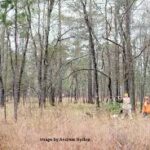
72, 121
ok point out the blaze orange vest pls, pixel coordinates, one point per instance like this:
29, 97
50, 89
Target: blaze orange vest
146, 108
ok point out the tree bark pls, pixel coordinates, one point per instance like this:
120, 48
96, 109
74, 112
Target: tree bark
129, 60
117, 68
88, 24
60, 52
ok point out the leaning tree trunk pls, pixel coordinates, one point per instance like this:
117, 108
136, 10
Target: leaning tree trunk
17, 66
89, 27
90, 93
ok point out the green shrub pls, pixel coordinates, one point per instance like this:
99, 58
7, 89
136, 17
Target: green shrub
113, 107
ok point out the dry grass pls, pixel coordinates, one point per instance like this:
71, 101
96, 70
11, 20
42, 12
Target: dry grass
72, 121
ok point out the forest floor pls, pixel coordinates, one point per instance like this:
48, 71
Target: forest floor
71, 127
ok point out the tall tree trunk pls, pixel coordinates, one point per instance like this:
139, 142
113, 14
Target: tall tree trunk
60, 53
17, 66
107, 49
89, 27
16, 69
39, 63
146, 58
2, 90
90, 81
117, 68
129, 60
49, 11
144, 67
